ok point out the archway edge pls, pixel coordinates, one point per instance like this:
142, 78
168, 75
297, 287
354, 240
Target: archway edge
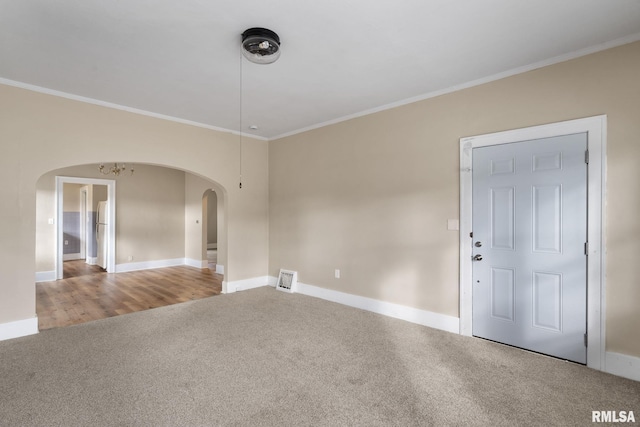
43, 132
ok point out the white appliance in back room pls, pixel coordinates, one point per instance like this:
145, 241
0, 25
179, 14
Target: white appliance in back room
101, 234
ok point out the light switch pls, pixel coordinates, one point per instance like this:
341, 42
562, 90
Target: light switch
50, 220
453, 224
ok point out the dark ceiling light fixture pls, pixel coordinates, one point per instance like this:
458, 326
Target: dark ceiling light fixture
260, 45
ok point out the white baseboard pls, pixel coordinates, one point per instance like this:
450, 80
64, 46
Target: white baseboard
622, 365
19, 328
71, 257
146, 265
410, 314
617, 364
243, 285
196, 263
45, 276
92, 260
49, 276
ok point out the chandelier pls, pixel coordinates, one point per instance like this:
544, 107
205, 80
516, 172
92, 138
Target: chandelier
116, 169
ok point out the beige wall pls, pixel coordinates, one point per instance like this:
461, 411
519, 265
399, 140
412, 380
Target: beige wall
71, 199
99, 193
150, 215
371, 196
40, 133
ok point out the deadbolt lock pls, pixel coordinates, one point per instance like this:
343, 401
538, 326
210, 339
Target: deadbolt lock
478, 244
477, 257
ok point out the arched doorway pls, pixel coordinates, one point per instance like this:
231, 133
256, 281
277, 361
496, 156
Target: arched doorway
213, 233
153, 234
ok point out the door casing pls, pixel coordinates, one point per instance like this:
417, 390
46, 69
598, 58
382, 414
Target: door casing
596, 128
83, 222
111, 194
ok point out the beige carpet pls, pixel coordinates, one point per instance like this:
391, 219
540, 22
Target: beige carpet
263, 357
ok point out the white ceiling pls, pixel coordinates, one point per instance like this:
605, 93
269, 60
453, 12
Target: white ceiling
181, 58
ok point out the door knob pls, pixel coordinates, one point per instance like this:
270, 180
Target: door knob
478, 244
477, 257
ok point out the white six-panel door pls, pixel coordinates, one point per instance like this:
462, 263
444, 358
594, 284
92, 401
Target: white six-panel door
529, 234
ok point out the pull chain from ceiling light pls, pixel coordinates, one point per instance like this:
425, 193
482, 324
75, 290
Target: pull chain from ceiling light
240, 127
260, 46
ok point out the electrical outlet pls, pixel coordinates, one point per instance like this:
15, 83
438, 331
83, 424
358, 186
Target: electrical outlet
130, 257
66, 242
337, 273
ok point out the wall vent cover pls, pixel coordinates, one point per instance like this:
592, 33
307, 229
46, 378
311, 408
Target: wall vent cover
287, 281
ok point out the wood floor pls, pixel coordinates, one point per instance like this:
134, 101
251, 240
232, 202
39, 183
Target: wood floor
88, 293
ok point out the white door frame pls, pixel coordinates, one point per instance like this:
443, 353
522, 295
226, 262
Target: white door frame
596, 129
84, 194
111, 206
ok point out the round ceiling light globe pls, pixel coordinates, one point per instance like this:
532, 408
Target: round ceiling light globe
260, 45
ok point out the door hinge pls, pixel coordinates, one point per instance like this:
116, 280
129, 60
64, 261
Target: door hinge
586, 156
586, 341
586, 248
471, 235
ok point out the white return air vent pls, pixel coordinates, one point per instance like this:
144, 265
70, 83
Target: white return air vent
287, 281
